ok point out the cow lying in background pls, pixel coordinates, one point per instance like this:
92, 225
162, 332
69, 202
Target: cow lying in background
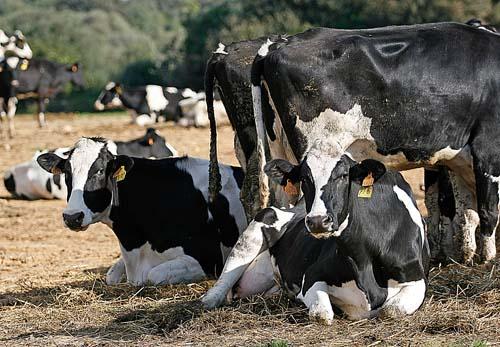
29, 181
158, 209
375, 258
194, 112
145, 103
42, 79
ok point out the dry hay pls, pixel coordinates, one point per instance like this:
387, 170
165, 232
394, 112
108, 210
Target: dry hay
52, 290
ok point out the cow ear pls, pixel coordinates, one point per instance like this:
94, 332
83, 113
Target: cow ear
51, 162
282, 171
122, 164
367, 172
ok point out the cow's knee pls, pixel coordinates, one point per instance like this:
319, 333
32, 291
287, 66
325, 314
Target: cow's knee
318, 302
184, 269
409, 298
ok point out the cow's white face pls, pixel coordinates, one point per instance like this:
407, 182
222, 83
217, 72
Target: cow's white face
89, 173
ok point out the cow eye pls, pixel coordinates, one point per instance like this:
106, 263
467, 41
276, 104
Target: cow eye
100, 172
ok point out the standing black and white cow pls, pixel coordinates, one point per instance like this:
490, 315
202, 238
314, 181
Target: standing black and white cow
228, 70
145, 103
29, 181
158, 210
12, 49
43, 79
401, 95
374, 259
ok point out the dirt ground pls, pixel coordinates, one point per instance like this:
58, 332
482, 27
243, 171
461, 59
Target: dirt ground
52, 290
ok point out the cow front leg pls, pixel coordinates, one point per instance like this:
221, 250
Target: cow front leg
433, 220
11, 112
183, 269
407, 300
318, 302
261, 234
3, 116
115, 272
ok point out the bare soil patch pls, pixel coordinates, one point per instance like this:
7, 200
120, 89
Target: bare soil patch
52, 290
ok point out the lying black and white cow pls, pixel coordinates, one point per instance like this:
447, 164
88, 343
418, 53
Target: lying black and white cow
42, 79
145, 103
158, 209
374, 258
12, 49
401, 95
29, 181
195, 113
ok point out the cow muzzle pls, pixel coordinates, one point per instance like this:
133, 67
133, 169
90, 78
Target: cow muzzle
74, 221
320, 225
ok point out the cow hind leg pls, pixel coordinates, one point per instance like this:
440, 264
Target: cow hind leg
183, 269
116, 272
11, 112
261, 234
41, 112
258, 278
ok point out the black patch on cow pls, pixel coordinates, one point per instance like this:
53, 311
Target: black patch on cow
238, 175
96, 193
266, 216
48, 186
142, 148
57, 180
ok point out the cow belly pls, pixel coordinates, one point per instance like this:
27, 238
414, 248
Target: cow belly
459, 160
140, 262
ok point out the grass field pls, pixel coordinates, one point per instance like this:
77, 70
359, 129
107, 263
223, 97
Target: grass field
52, 290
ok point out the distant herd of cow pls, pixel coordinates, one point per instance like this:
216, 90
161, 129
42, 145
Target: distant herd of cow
323, 121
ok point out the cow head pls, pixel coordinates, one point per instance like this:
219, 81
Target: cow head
76, 75
109, 97
326, 186
91, 172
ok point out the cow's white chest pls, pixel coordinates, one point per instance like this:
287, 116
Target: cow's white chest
140, 261
155, 98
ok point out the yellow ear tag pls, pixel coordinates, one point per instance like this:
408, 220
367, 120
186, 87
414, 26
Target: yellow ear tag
24, 65
56, 171
365, 192
151, 141
290, 188
367, 187
120, 174
119, 90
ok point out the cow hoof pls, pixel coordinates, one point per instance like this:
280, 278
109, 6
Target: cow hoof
390, 312
321, 316
211, 301
488, 250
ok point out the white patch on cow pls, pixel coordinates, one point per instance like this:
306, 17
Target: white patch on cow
145, 265
188, 93
488, 242
321, 167
85, 153
261, 135
110, 85
98, 104
220, 49
3, 38
171, 149
155, 98
412, 210
351, 300
143, 120
406, 297
264, 49
111, 147
342, 227
115, 102
318, 302
172, 90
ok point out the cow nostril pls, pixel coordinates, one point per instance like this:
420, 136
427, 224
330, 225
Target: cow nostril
328, 219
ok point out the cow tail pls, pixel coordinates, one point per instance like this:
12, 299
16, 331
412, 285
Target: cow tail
214, 178
256, 74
